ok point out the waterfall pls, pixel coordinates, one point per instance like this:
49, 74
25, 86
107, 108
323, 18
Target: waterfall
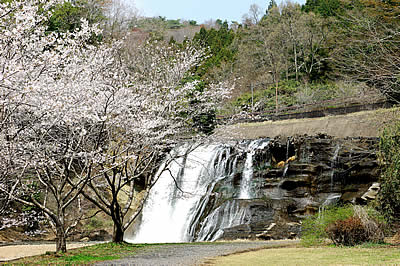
245, 185
169, 208
225, 216
176, 203
334, 163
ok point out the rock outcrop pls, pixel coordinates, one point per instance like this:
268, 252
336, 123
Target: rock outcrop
292, 177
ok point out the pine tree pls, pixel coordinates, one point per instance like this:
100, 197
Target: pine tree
272, 4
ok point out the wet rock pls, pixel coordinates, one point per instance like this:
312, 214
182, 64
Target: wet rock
294, 177
372, 192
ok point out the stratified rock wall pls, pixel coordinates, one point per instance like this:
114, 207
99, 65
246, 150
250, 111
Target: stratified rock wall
292, 177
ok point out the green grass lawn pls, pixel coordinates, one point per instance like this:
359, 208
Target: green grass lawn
285, 255
314, 256
95, 253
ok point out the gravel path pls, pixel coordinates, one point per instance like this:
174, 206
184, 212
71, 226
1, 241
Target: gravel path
192, 254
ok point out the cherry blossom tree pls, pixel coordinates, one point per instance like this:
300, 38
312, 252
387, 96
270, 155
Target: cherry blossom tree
41, 129
83, 119
162, 111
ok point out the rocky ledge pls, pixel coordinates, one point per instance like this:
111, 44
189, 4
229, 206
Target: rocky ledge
292, 177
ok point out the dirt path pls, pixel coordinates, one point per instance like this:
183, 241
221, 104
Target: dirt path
193, 254
13, 252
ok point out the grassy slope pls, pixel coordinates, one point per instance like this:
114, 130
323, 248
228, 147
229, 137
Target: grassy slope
366, 124
313, 256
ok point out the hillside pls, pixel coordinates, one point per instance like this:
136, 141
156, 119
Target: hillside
360, 124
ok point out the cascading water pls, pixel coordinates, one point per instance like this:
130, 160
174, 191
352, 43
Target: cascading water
239, 190
227, 215
245, 185
333, 163
170, 206
175, 204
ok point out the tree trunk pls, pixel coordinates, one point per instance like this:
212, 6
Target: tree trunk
295, 61
276, 92
61, 242
118, 233
117, 217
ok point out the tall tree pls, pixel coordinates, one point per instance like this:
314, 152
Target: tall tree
37, 142
264, 44
370, 52
79, 113
218, 42
167, 106
272, 4
253, 16
326, 8
67, 15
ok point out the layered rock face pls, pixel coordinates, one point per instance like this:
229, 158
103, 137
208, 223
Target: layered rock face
289, 179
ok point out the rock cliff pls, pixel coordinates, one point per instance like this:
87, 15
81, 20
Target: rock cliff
291, 178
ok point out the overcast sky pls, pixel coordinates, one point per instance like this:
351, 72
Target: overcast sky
199, 10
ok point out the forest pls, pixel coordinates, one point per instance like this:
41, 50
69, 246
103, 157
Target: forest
93, 94
291, 54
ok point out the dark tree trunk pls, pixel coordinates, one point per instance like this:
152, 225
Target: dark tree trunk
118, 233
61, 242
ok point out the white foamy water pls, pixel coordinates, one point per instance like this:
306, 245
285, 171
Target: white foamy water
170, 205
175, 205
245, 184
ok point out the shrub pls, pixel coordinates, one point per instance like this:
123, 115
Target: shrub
347, 232
344, 225
264, 99
314, 227
372, 222
389, 195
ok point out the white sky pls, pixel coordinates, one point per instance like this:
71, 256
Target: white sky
199, 10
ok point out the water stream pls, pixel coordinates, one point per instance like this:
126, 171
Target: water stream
169, 207
245, 185
177, 201
333, 163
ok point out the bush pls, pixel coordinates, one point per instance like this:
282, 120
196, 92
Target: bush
344, 225
347, 232
313, 231
389, 195
264, 99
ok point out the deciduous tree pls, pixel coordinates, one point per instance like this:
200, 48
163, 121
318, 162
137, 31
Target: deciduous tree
78, 116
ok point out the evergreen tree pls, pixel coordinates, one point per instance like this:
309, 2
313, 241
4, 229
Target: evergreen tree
67, 15
326, 8
272, 4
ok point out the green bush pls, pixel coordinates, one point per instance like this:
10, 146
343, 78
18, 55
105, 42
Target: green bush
344, 225
389, 196
264, 99
314, 227
339, 90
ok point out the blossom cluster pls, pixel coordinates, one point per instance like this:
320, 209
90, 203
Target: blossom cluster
68, 105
